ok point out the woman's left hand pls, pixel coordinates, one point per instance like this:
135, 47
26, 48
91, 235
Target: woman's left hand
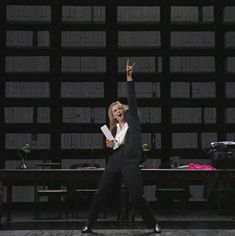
109, 143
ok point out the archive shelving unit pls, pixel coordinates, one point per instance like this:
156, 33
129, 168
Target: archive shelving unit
62, 64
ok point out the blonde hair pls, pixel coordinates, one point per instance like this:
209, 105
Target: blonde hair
112, 121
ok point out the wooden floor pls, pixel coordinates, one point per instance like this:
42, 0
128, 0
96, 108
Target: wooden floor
174, 222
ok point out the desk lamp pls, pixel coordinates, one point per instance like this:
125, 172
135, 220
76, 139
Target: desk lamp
22, 152
145, 148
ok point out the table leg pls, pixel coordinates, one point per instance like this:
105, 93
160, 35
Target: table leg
1, 200
9, 201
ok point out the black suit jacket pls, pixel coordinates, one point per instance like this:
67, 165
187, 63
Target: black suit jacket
132, 149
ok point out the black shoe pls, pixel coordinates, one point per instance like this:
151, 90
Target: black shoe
156, 229
86, 229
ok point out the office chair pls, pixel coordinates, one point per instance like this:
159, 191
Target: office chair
82, 192
222, 192
52, 190
167, 192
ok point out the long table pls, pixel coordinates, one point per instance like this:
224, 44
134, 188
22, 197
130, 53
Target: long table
21, 177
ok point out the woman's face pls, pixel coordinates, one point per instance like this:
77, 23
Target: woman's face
118, 112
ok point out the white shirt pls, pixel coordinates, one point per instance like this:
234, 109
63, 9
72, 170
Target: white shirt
120, 135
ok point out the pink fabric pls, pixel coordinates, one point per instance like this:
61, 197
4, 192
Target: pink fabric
193, 166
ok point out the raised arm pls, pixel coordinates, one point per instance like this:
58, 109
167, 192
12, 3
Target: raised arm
131, 97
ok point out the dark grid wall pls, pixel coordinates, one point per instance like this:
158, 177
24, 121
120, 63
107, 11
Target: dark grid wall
62, 64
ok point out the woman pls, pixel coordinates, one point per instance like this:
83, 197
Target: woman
125, 158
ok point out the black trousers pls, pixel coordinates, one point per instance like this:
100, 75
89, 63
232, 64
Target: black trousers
133, 179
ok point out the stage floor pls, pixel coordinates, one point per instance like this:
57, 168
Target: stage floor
194, 221
121, 232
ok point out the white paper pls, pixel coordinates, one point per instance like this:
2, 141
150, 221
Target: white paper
106, 132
